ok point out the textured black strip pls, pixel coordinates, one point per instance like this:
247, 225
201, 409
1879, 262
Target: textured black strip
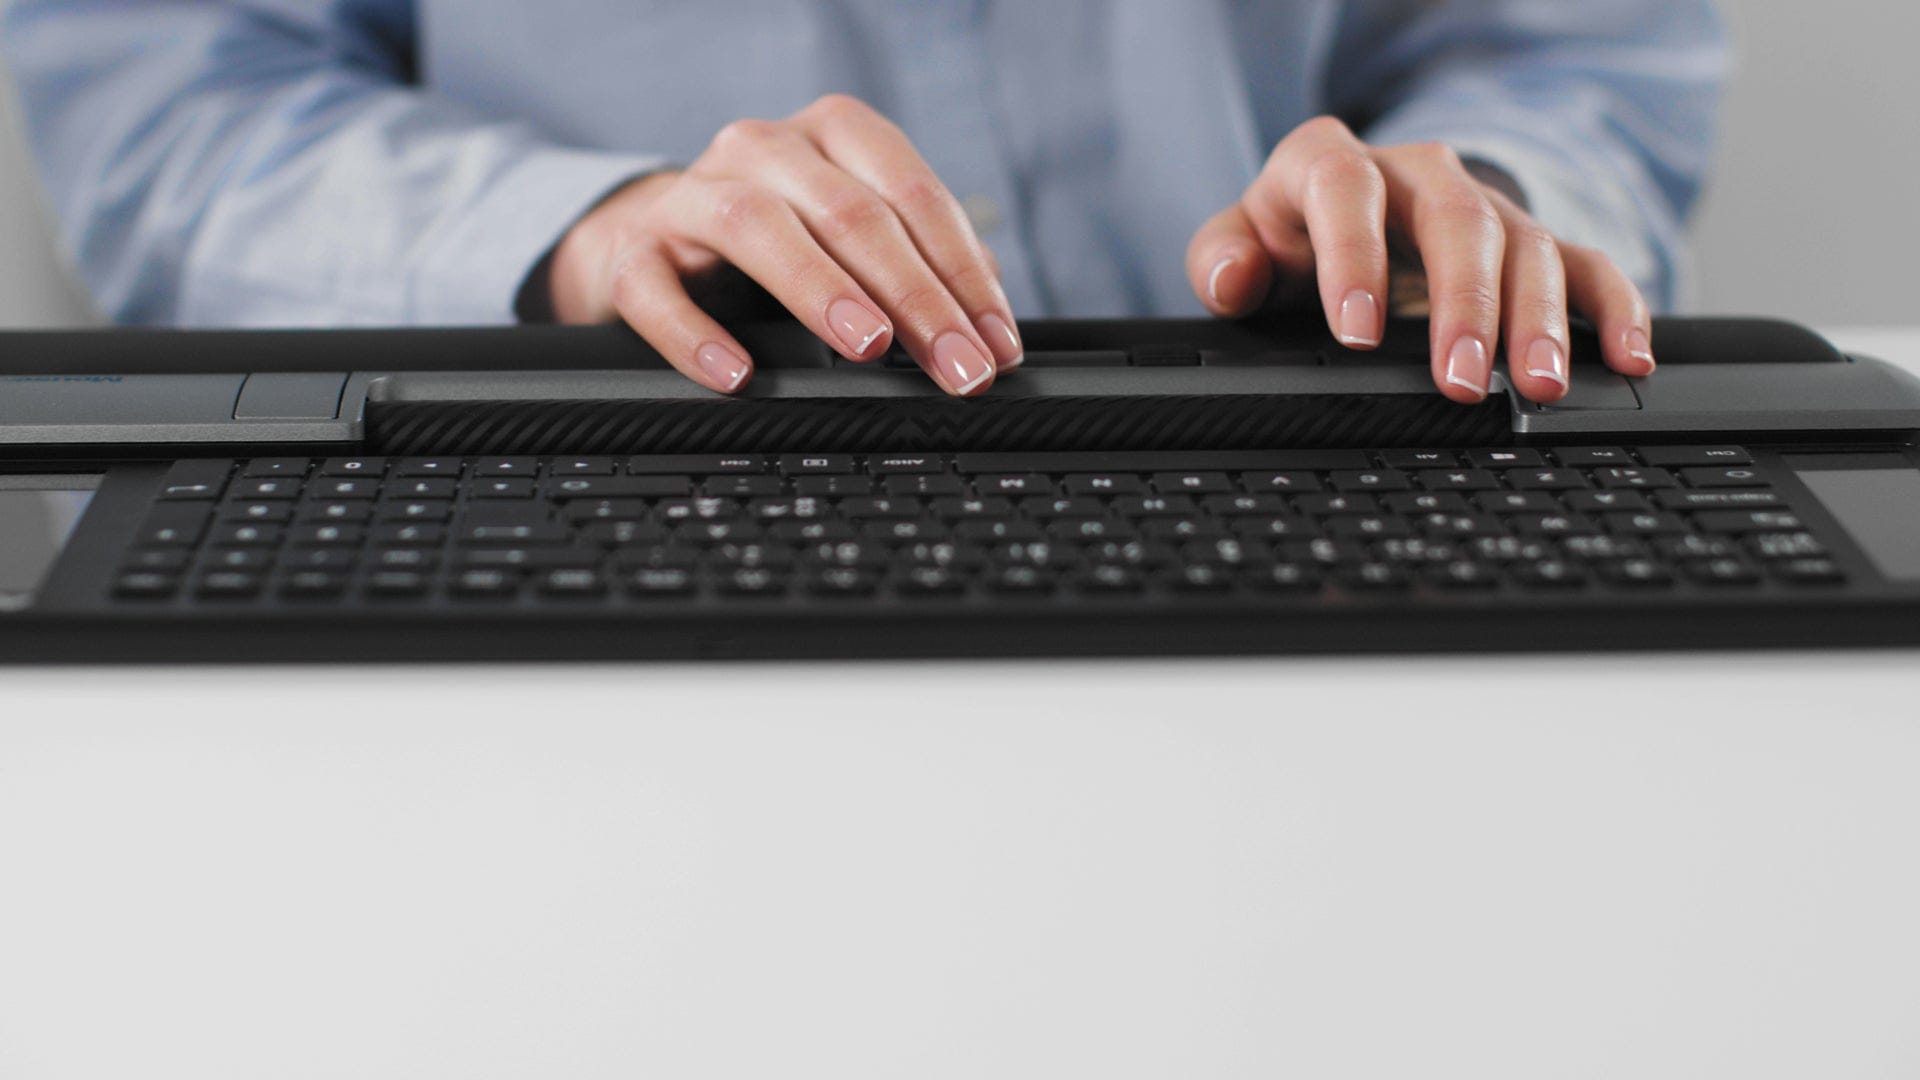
1100, 423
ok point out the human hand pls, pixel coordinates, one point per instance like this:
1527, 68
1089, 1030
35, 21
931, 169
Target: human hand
1324, 211
834, 213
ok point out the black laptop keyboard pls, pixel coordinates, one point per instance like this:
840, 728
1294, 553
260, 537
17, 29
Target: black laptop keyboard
913, 527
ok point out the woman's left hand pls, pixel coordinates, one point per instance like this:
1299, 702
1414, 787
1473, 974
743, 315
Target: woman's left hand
1322, 211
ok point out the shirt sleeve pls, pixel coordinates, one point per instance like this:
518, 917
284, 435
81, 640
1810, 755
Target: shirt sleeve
219, 163
1601, 111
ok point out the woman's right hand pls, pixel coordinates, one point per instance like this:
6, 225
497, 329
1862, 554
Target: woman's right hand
834, 213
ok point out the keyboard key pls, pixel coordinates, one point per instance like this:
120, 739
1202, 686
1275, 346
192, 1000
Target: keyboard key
1372, 577
1103, 484
1019, 580
425, 535
1716, 500
1808, 572
1635, 573
396, 584
1370, 480
272, 513
432, 487
294, 467
506, 467
1549, 574
1516, 502
893, 464
1367, 527
229, 585
581, 511
313, 585
1234, 506
662, 582
1457, 480
900, 532
1323, 505
318, 535
427, 466
816, 464
1796, 545
242, 558
246, 534
354, 466
929, 484
676, 510
428, 510
989, 532
1419, 459
1045, 508
1182, 530
512, 534
882, 509
841, 581
1600, 502
1720, 572
581, 466
1673, 456
810, 532
1108, 578
1462, 574
571, 584
1601, 548
1460, 526
752, 581
198, 478
1549, 524
484, 584
344, 488
1618, 478
351, 513
1592, 457
1282, 577
1740, 522
146, 585
1505, 459
632, 487
832, 485
1685, 548
1013, 484
1432, 502
697, 464
1191, 483
1144, 506
400, 558
1091, 529
1196, 578
741, 487
164, 560
501, 488
1544, 479
1285, 483
1275, 527
1644, 524
1736, 476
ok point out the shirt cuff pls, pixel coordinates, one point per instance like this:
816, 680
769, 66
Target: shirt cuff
473, 274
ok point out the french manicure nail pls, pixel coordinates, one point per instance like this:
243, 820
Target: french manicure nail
726, 368
1467, 365
1360, 319
1213, 280
857, 326
959, 363
1546, 361
1007, 351
1640, 347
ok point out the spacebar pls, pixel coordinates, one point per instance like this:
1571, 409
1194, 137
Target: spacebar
1161, 460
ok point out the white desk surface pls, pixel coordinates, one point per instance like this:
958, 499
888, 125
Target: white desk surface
1639, 866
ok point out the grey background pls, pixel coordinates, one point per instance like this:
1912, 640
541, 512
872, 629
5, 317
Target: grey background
1812, 216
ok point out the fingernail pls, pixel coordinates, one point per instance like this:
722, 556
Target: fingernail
1007, 351
1467, 365
1546, 361
1640, 347
1213, 281
857, 326
959, 363
724, 367
1360, 319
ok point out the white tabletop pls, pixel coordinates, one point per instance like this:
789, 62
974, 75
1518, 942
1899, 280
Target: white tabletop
1632, 865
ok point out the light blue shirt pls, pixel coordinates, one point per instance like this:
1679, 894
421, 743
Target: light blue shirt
314, 162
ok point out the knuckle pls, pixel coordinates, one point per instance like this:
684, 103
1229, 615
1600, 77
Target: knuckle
1436, 154
1477, 297
1325, 126
973, 278
853, 214
629, 285
1341, 172
737, 206
1534, 240
744, 133
924, 306
836, 107
920, 195
1466, 208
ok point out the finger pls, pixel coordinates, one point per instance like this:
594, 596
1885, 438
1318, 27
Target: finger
1461, 242
1324, 177
741, 155
1612, 302
649, 296
1534, 307
762, 237
871, 149
1230, 270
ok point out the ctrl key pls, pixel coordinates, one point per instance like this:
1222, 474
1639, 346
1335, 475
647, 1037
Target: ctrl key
145, 585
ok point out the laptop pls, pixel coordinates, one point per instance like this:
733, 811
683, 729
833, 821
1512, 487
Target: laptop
1137, 487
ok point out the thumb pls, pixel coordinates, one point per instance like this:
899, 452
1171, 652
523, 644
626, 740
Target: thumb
1227, 266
